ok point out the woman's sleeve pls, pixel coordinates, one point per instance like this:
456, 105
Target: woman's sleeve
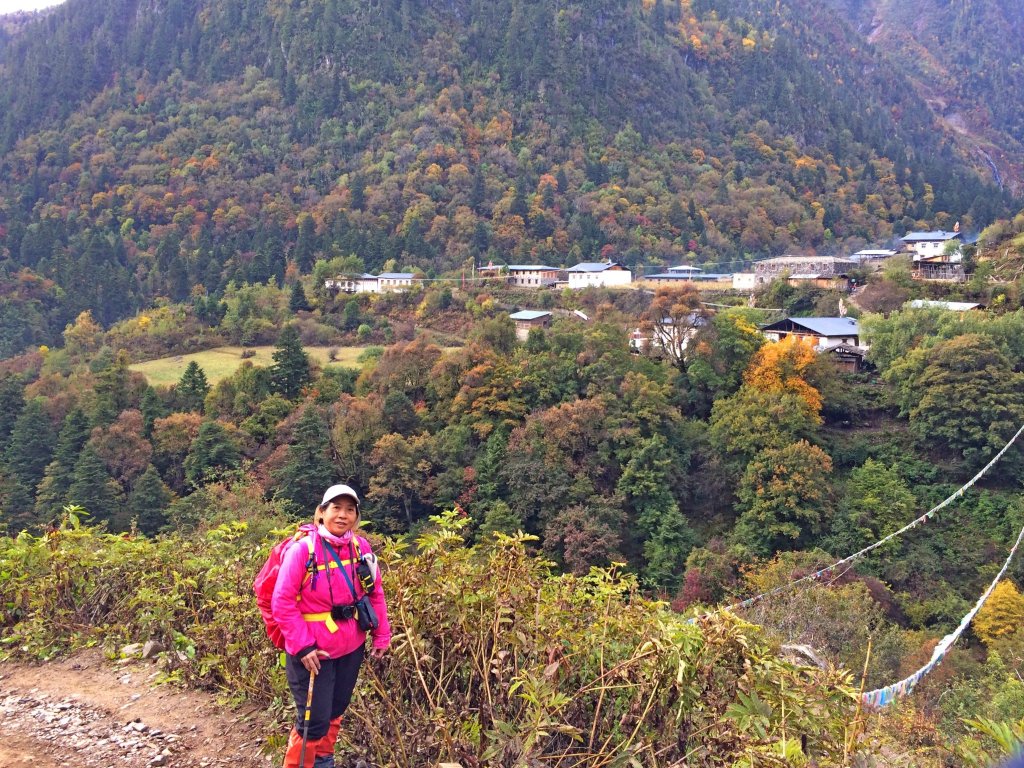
298, 638
382, 634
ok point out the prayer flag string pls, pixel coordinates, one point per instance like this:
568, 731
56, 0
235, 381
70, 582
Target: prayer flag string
882, 696
827, 572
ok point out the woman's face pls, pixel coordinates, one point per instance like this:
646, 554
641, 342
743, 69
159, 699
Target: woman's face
341, 515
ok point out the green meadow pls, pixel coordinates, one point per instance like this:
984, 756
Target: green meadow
221, 362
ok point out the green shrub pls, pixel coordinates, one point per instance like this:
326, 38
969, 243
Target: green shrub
494, 661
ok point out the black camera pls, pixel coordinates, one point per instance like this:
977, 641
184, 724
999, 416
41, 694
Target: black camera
339, 612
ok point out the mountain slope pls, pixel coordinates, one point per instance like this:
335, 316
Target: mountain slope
157, 145
965, 60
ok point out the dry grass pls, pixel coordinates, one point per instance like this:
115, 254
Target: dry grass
221, 362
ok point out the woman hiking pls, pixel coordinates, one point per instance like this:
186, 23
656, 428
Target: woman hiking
320, 602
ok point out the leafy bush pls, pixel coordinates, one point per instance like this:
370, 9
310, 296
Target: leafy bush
495, 660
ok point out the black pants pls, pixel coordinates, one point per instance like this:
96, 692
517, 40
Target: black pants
332, 690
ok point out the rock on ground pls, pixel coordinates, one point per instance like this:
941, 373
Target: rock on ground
84, 712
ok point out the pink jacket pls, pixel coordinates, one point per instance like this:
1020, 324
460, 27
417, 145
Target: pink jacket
295, 594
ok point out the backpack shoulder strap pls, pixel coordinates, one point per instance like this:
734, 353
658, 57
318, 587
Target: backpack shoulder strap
310, 539
341, 567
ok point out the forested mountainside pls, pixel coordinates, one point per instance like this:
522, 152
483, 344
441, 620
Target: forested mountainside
964, 59
150, 147
181, 177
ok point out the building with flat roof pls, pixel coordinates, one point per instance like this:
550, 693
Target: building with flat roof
807, 267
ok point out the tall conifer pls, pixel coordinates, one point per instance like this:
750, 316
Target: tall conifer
308, 468
52, 493
148, 501
290, 371
192, 388
31, 445
93, 488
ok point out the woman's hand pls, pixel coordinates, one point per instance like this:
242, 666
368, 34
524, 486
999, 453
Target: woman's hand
378, 653
311, 661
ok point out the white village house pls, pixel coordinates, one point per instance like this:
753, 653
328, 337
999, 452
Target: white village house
839, 336
822, 332
606, 274
395, 281
744, 281
533, 275
932, 259
366, 283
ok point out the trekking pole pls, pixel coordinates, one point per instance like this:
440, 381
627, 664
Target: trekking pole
305, 718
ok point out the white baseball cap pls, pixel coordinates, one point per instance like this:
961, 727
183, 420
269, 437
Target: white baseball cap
340, 490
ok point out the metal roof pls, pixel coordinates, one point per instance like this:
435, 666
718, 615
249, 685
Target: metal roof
529, 314
396, 276
822, 326
531, 268
686, 277
685, 268
930, 237
593, 266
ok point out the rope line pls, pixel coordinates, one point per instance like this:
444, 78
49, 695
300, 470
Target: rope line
827, 572
881, 697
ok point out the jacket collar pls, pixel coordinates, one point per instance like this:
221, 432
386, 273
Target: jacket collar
337, 541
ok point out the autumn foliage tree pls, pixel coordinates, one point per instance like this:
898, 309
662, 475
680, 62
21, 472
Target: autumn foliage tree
782, 367
784, 498
1001, 615
672, 320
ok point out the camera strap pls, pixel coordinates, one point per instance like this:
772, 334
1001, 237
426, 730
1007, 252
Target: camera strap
344, 571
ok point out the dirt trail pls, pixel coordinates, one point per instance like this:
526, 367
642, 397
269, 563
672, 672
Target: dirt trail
87, 713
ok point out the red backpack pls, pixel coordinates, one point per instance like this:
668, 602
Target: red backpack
263, 586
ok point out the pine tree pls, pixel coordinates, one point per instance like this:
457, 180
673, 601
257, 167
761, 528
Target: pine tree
148, 501
298, 302
478, 192
212, 452
499, 519
357, 187
152, 408
15, 504
666, 551
31, 445
307, 468
305, 243
113, 393
93, 488
192, 388
290, 371
350, 315
489, 463
12, 401
52, 493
